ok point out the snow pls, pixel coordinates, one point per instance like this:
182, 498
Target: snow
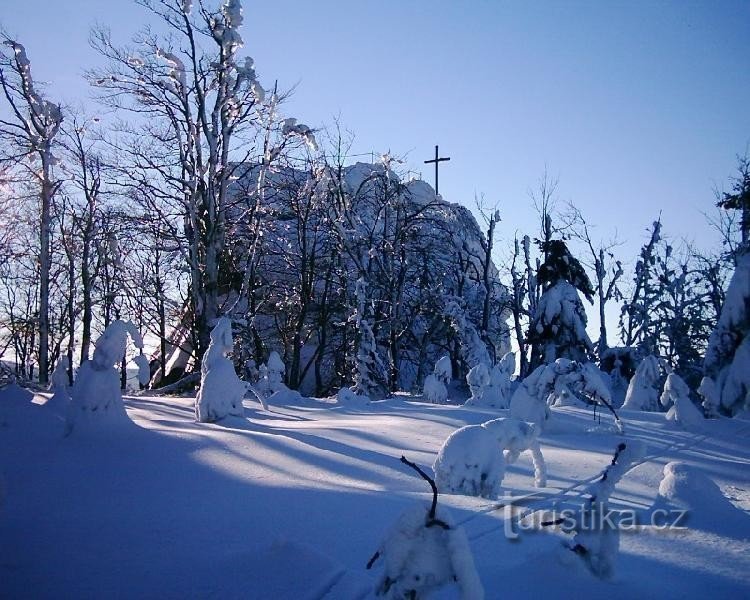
221, 391
292, 503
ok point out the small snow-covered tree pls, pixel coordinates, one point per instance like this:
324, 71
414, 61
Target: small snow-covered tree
495, 390
96, 397
425, 551
558, 327
221, 391
472, 459
435, 384
558, 383
368, 365
595, 538
676, 397
643, 389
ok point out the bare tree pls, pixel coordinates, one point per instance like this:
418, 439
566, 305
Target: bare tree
31, 134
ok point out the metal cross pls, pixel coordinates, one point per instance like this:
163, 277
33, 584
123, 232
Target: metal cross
436, 160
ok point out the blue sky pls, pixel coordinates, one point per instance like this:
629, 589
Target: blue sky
638, 107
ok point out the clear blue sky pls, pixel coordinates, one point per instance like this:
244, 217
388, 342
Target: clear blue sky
637, 106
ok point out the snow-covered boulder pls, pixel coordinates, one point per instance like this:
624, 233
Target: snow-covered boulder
643, 389
676, 397
419, 559
470, 462
96, 399
221, 391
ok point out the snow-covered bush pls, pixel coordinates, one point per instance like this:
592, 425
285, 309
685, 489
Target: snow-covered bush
710, 394
470, 462
727, 359
513, 437
529, 401
435, 390
676, 397
560, 383
643, 389
443, 370
59, 381
275, 372
348, 396
221, 391
472, 459
420, 559
478, 378
96, 397
497, 392
144, 369
435, 384
596, 539
425, 551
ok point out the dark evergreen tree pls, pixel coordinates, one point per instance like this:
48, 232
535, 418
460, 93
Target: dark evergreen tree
558, 326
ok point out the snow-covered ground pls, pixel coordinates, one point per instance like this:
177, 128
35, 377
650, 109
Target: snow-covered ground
293, 502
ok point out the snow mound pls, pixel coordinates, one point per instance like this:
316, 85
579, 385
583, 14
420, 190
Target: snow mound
688, 488
348, 396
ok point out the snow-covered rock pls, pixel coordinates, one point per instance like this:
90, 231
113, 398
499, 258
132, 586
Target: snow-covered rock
221, 391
